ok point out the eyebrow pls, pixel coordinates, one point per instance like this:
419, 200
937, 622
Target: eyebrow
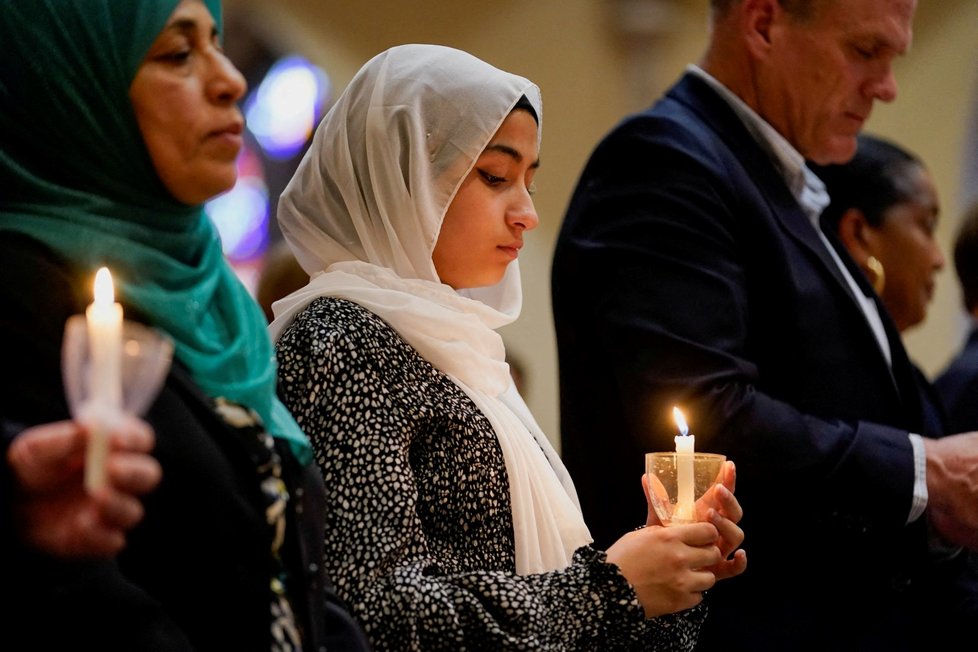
509, 151
187, 25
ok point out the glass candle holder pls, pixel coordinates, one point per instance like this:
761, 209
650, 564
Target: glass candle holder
146, 356
675, 475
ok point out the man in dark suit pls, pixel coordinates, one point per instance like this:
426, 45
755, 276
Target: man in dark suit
690, 271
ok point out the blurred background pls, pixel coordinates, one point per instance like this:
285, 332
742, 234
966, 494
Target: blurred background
595, 61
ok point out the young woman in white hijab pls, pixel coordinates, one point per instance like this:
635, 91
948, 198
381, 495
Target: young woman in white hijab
452, 523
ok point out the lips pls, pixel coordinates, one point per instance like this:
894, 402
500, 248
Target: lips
860, 113
857, 118
512, 250
229, 137
235, 128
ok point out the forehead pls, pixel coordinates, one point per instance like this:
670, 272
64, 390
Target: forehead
921, 187
516, 136
188, 11
917, 192
888, 23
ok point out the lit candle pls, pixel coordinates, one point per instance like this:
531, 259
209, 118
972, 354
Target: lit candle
684, 468
104, 318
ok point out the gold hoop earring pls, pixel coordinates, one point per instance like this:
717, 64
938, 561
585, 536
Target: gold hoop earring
876, 273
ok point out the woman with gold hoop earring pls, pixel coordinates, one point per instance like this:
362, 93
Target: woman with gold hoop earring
883, 214
884, 211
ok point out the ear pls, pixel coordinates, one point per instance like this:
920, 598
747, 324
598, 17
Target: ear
757, 18
857, 235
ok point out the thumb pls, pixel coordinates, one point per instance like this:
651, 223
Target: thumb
651, 517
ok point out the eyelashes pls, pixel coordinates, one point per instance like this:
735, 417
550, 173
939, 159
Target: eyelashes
491, 179
494, 181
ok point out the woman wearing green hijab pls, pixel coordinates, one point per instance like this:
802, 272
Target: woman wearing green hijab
117, 121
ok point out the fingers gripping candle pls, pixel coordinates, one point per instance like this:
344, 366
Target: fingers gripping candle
684, 468
104, 319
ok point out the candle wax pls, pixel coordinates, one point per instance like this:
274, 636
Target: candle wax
684, 477
104, 319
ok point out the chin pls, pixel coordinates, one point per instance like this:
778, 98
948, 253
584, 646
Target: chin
838, 150
204, 188
479, 282
836, 156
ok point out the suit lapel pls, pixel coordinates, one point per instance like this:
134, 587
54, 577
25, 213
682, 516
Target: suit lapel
901, 368
697, 96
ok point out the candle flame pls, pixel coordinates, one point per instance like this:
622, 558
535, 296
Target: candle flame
677, 415
104, 291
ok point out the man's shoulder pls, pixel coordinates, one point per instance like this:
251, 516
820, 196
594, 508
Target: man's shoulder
688, 98
690, 116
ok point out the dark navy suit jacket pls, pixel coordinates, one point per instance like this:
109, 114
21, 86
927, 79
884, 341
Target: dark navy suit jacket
687, 274
958, 387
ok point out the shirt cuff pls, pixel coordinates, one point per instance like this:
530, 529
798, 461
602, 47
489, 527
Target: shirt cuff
919, 478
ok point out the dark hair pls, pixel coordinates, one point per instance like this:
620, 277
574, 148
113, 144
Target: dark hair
875, 179
800, 10
966, 257
524, 104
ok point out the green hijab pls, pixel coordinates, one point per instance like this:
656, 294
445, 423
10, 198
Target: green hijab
76, 175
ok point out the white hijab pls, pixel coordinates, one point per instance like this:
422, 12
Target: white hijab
362, 215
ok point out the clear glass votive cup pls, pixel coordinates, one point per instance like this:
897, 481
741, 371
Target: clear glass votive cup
699, 474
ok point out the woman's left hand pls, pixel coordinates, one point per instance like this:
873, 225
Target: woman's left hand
53, 512
720, 506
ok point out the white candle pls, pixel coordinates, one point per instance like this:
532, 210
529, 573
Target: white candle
685, 449
104, 318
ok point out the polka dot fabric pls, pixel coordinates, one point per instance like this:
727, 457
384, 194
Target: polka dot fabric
419, 537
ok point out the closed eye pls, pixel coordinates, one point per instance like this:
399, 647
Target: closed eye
176, 57
491, 179
866, 50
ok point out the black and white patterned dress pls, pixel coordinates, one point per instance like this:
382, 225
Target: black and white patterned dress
419, 536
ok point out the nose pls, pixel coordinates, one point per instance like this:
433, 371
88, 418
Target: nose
523, 214
938, 257
227, 85
885, 87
